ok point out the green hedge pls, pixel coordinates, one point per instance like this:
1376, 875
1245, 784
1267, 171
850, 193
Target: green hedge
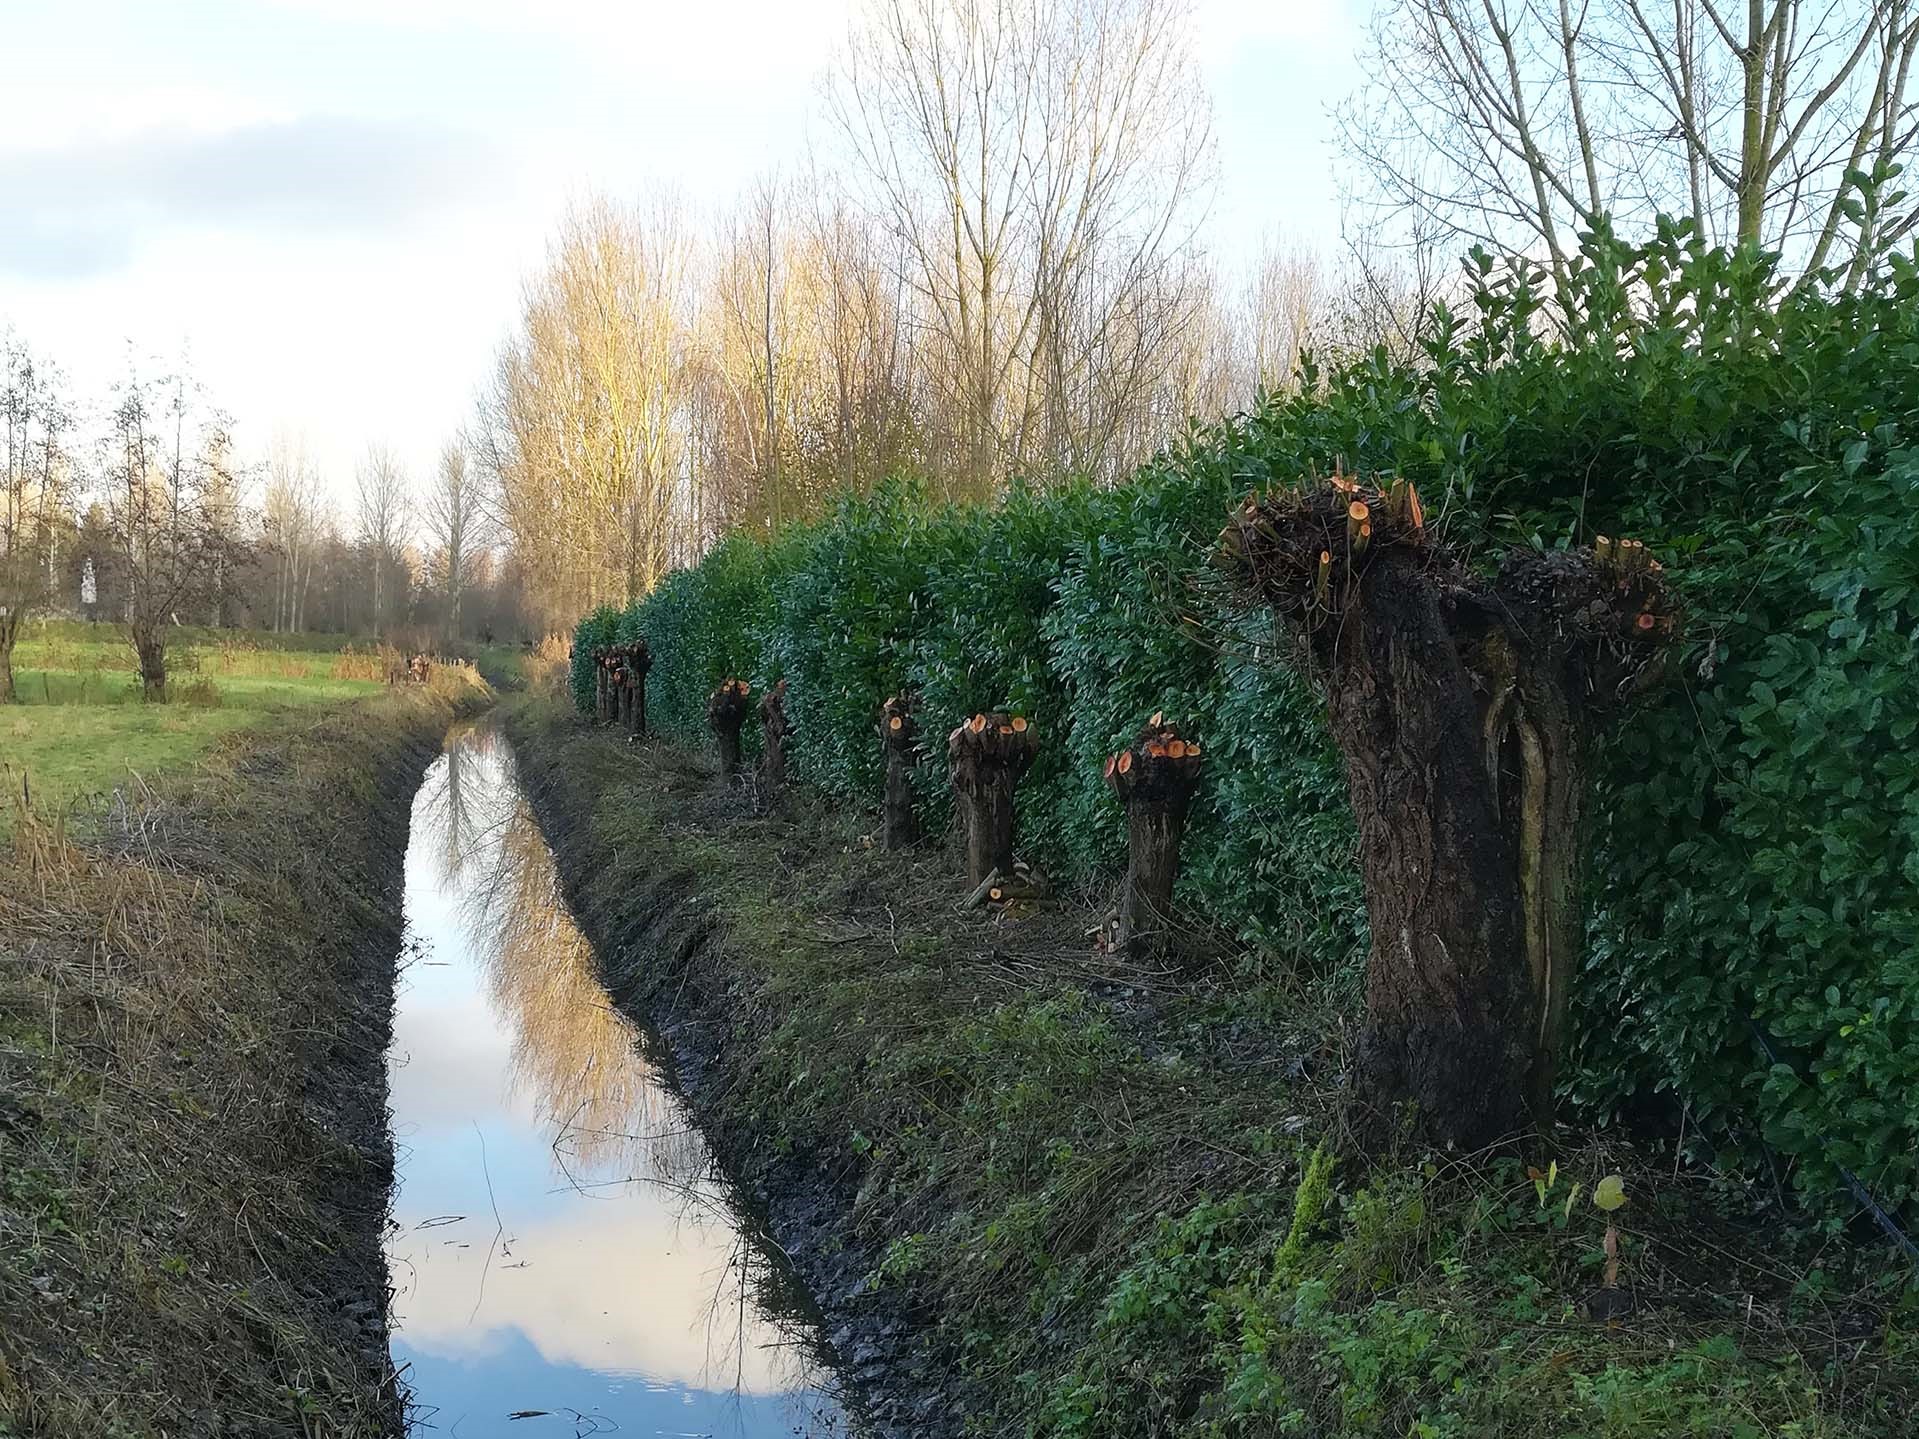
1757, 851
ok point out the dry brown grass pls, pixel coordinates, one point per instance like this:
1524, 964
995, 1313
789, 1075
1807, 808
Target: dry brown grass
193, 1159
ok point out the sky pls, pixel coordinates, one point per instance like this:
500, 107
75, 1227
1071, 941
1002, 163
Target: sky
327, 206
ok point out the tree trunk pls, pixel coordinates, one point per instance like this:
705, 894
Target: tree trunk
902, 824
151, 651
897, 733
773, 730
1447, 1002
1463, 709
1155, 779
726, 713
9, 630
990, 754
636, 716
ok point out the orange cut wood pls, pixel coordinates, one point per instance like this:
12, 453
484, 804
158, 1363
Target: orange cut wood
894, 723
1111, 761
1192, 749
1125, 760
1019, 724
1175, 749
1357, 510
978, 724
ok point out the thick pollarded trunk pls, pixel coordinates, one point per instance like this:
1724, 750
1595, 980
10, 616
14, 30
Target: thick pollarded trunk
1448, 1000
1155, 778
1463, 709
990, 755
901, 822
726, 714
897, 732
636, 711
773, 733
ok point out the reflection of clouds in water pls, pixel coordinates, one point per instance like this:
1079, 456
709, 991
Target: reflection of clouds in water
622, 1288
622, 1255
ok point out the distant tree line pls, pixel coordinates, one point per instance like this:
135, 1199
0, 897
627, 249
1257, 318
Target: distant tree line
137, 512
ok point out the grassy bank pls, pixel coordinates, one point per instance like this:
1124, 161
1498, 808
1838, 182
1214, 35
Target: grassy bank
80, 727
1057, 1194
194, 1007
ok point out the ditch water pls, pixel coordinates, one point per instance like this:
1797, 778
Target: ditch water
564, 1258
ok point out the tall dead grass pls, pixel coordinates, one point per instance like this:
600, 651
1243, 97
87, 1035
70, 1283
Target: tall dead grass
193, 1162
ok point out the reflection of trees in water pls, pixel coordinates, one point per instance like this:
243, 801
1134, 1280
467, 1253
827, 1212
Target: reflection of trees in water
574, 1055
467, 802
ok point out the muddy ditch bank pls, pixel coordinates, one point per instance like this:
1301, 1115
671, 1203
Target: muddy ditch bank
195, 1003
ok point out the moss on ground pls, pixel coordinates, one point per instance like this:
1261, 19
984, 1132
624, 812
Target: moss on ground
1122, 1202
194, 1000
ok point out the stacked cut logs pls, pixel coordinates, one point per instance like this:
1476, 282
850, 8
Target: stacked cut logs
726, 713
897, 734
990, 754
1154, 777
774, 730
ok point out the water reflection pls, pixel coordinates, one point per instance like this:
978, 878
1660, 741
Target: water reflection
560, 1249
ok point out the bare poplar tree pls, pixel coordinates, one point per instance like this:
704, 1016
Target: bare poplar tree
455, 521
33, 493
381, 498
1517, 124
291, 514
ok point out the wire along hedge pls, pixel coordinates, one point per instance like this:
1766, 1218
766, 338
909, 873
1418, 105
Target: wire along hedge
1757, 853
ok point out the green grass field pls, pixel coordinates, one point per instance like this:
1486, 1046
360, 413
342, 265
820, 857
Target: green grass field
80, 727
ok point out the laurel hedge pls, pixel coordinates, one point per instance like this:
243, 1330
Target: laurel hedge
1756, 854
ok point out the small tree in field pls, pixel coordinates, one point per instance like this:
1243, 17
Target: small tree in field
33, 495
1465, 710
166, 469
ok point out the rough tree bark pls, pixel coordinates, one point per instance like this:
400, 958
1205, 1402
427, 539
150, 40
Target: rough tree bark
1464, 710
897, 733
639, 659
774, 730
1155, 778
726, 713
150, 650
990, 754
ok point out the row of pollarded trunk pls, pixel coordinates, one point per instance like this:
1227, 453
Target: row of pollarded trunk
1465, 708
619, 685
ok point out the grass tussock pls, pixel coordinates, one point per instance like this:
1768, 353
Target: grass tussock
1121, 1201
194, 1000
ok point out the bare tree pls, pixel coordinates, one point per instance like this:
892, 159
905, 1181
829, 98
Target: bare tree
1518, 124
33, 493
382, 503
291, 514
1036, 163
167, 468
455, 522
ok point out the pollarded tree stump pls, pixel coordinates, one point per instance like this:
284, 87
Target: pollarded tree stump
631, 661
990, 754
1155, 778
774, 729
1464, 709
897, 735
726, 713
